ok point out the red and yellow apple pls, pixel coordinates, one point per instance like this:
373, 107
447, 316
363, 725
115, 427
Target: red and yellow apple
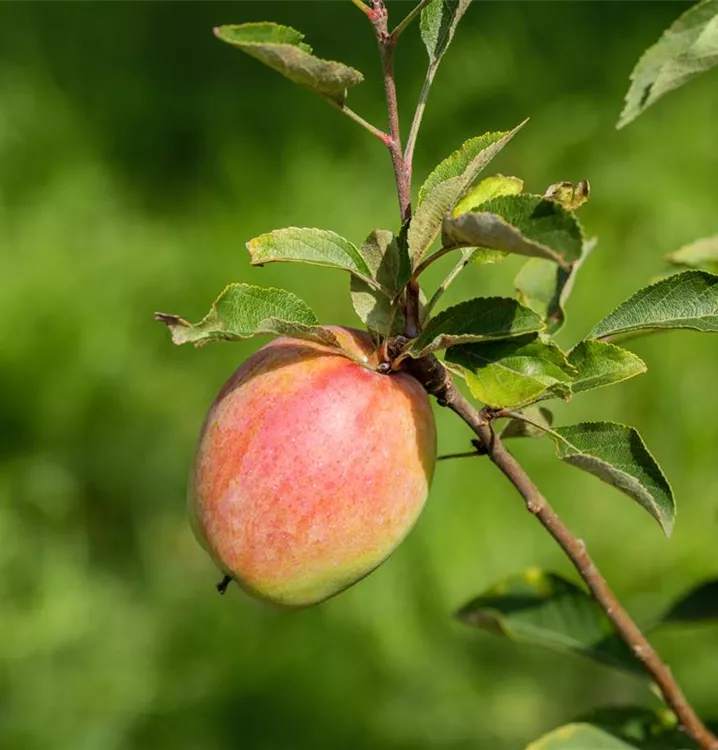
311, 468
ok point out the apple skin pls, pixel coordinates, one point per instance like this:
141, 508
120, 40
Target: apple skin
311, 469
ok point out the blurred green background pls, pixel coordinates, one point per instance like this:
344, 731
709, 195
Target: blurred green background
137, 155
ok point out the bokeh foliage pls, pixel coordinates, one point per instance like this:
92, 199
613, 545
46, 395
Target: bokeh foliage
137, 155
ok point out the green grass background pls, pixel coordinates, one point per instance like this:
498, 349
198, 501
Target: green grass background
137, 155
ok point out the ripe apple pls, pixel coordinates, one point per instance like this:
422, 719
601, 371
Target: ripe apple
311, 468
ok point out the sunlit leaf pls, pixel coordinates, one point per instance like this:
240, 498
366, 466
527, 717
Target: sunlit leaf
684, 300
599, 363
242, 311
617, 455
687, 48
702, 253
480, 319
514, 372
282, 49
544, 609
439, 20
447, 184
522, 224
488, 188
317, 246
570, 196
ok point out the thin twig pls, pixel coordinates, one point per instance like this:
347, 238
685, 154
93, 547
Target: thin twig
380, 134
380, 21
428, 371
413, 13
419, 114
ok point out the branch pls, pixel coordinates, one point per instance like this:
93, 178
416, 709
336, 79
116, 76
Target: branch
402, 168
437, 381
380, 21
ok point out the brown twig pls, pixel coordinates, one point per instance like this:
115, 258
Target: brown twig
379, 18
428, 371
387, 43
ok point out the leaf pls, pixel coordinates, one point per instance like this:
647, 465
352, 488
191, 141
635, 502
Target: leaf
282, 49
544, 609
466, 162
698, 605
570, 196
702, 253
684, 300
447, 184
479, 319
513, 373
382, 254
616, 454
242, 311
376, 307
317, 246
522, 224
687, 48
540, 416
599, 364
438, 23
545, 287
625, 728
485, 190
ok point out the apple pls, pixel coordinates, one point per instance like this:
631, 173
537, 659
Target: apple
311, 468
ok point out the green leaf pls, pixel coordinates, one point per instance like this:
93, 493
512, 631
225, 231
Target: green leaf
544, 609
282, 49
698, 605
376, 307
599, 364
625, 728
684, 300
317, 246
522, 224
488, 188
480, 319
616, 454
438, 23
542, 420
545, 287
513, 373
447, 184
687, 48
702, 253
242, 311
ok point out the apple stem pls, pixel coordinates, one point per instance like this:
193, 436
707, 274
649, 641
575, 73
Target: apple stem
437, 381
222, 585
